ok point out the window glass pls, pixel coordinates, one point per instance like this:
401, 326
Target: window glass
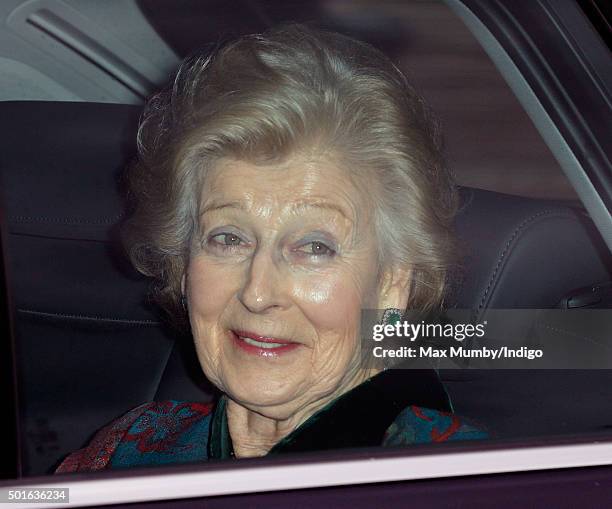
491, 143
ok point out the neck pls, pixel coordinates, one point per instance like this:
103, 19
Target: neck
255, 431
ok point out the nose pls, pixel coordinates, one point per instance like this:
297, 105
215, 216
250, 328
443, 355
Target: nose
263, 289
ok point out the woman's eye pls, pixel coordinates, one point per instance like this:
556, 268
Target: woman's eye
317, 248
225, 240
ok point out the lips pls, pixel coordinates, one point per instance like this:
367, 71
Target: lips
263, 346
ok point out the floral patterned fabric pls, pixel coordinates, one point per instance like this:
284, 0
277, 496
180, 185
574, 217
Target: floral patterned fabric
416, 425
171, 432
155, 433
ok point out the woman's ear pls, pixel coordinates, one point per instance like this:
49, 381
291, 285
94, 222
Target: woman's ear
395, 288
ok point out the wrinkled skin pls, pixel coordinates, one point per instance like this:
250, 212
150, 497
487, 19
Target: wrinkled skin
288, 252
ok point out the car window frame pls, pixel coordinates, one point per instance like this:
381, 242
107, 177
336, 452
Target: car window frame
569, 122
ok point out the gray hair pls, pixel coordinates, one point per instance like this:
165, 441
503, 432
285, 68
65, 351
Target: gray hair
264, 98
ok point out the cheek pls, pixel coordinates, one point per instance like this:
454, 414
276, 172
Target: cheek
209, 287
330, 302
209, 291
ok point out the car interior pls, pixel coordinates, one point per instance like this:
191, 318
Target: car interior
91, 344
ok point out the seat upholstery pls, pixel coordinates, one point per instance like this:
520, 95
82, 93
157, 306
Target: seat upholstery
528, 254
524, 253
90, 346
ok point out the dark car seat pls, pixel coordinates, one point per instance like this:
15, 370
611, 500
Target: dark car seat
530, 254
90, 346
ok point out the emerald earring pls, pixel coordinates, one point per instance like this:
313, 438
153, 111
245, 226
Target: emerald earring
391, 316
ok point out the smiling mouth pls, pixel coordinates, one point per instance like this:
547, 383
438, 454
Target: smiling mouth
261, 345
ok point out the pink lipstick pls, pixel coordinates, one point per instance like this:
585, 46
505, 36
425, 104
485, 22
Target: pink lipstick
261, 345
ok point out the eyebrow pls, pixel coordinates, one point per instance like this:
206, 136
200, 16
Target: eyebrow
218, 206
324, 206
214, 206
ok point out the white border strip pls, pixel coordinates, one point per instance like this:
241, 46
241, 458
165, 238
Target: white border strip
253, 479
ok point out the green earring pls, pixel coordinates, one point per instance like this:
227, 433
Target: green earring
391, 316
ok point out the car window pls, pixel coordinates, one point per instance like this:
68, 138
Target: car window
94, 352
491, 143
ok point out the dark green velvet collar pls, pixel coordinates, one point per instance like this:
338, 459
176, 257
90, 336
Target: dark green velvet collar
358, 418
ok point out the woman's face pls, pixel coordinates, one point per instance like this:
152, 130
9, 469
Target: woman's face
283, 265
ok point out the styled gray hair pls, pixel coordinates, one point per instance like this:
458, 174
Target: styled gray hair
264, 98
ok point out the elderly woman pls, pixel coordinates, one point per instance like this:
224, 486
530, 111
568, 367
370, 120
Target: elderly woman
285, 183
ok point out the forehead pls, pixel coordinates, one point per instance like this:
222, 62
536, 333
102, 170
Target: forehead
324, 185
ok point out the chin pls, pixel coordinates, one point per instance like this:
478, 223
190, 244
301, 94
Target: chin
261, 393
